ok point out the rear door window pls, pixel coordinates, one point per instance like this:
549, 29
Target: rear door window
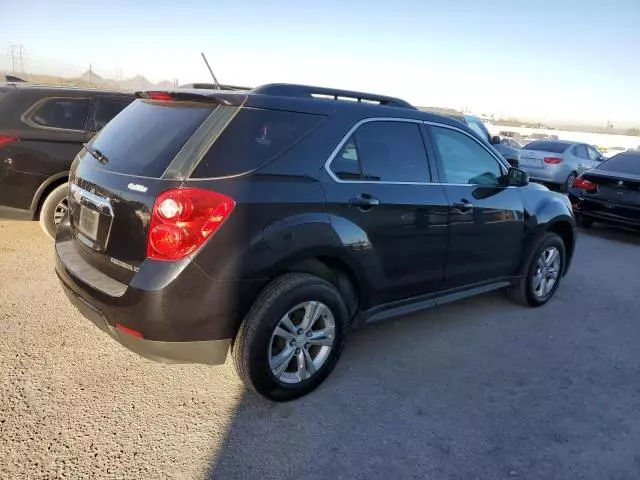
385, 152
62, 113
146, 137
105, 108
252, 139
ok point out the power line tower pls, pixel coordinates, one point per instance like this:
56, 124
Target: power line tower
16, 57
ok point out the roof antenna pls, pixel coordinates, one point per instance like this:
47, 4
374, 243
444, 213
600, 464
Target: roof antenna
215, 80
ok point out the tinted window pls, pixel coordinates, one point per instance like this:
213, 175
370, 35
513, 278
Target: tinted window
145, 138
392, 152
464, 160
253, 138
106, 108
623, 162
478, 127
547, 146
580, 151
67, 113
345, 165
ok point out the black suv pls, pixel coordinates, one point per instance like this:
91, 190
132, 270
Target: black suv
273, 221
42, 128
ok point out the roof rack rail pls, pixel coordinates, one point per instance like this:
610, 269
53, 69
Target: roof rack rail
305, 91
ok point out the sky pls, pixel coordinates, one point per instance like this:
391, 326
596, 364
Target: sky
563, 60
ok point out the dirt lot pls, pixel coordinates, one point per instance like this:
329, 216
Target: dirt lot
478, 389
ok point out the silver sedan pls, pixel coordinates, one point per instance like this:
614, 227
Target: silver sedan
558, 162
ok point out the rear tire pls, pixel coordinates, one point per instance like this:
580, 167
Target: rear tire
569, 182
53, 209
261, 342
527, 291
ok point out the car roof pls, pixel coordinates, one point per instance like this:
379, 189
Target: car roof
315, 100
58, 88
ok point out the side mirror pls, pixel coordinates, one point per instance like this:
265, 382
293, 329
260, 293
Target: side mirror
517, 177
495, 140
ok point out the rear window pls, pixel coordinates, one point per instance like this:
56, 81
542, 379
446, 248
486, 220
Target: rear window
623, 163
253, 138
547, 146
147, 135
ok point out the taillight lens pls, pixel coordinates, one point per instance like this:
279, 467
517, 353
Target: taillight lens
7, 139
159, 96
182, 219
552, 160
583, 184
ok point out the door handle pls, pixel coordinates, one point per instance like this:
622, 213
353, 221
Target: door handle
463, 205
364, 201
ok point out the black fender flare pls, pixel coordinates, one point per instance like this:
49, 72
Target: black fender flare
35, 202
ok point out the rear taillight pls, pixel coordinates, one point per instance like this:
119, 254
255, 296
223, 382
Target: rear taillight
182, 219
7, 139
552, 160
582, 184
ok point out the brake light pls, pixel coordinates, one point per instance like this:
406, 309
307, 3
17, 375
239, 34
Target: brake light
159, 96
7, 139
586, 185
552, 160
182, 219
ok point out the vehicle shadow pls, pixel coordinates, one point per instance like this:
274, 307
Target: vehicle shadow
612, 232
447, 393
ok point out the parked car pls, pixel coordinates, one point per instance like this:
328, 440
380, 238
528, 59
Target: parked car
610, 152
609, 193
273, 221
511, 142
558, 162
509, 153
42, 128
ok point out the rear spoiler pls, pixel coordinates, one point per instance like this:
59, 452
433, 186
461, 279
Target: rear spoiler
194, 95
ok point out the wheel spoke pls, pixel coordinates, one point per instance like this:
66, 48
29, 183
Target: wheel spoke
322, 337
543, 287
312, 311
287, 323
549, 286
536, 281
281, 332
306, 368
280, 362
553, 274
551, 257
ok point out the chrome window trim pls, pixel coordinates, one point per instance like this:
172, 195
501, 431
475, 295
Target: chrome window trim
344, 139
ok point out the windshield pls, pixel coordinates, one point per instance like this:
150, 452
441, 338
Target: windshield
547, 146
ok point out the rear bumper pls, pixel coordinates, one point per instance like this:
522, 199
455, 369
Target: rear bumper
609, 213
182, 314
547, 175
211, 352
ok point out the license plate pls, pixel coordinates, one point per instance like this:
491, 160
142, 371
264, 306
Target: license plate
88, 224
531, 161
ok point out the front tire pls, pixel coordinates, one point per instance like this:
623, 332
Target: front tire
544, 269
53, 209
292, 337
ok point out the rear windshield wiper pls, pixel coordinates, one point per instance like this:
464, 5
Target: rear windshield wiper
95, 153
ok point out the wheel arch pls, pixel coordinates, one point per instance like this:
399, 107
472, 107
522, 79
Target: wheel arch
45, 188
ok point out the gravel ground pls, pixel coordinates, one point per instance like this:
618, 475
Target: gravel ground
477, 389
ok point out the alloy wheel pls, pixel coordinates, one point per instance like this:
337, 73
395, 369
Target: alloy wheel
547, 272
301, 342
60, 211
